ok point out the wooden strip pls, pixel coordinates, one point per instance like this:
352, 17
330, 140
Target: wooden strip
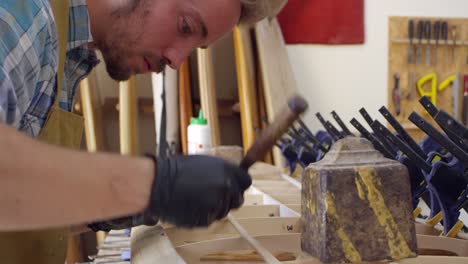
246, 255
266, 255
128, 118
151, 245
157, 87
92, 113
185, 102
91, 108
208, 92
249, 211
172, 111
262, 110
223, 229
246, 85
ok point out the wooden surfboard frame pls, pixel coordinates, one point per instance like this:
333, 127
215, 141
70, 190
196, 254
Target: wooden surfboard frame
274, 224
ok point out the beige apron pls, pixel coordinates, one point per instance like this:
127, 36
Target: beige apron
61, 128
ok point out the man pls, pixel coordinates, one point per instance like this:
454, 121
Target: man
47, 185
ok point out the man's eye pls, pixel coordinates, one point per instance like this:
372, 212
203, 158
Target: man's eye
185, 27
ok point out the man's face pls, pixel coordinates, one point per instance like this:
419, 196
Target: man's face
149, 34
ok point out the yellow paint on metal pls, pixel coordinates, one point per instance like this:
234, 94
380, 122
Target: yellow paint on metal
359, 189
348, 248
311, 203
312, 206
397, 244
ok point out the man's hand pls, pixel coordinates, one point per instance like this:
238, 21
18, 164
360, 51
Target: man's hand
189, 191
196, 190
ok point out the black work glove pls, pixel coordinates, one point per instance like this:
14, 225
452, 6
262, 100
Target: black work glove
196, 190
189, 191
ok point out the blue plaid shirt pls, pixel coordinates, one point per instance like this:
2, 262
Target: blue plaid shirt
28, 61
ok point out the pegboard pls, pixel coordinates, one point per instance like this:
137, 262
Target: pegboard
410, 73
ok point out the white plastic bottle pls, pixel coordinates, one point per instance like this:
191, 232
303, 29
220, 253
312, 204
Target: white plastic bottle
198, 135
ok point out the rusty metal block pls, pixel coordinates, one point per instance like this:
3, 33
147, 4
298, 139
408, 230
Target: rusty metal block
356, 206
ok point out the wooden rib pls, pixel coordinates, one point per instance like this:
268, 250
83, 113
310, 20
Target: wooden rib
208, 92
128, 117
185, 102
246, 85
151, 245
245, 255
223, 229
266, 255
250, 211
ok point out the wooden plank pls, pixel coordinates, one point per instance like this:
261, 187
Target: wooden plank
260, 184
91, 108
457, 246
208, 92
410, 73
151, 245
192, 253
246, 255
169, 82
246, 80
277, 75
259, 248
265, 171
172, 111
128, 118
250, 211
262, 108
280, 190
253, 199
295, 207
223, 229
185, 102
287, 198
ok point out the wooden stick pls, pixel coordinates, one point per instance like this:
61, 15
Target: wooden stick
246, 255
208, 92
92, 113
246, 85
185, 103
267, 256
128, 118
93, 122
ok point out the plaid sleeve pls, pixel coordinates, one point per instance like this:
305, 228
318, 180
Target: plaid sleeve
8, 102
25, 57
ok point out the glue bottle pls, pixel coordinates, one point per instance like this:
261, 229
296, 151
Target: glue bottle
198, 135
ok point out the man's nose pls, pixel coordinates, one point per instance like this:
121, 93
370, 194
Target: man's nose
177, 56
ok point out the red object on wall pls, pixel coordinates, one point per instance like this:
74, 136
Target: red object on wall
323, 21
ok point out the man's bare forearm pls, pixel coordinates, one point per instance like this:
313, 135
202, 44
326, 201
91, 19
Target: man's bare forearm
46, 186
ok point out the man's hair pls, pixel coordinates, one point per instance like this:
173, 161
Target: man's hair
255, 10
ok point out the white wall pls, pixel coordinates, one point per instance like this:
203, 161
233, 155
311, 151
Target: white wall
346, 78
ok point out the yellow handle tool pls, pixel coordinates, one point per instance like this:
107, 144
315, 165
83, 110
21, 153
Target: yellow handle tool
432, 93
447, 82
